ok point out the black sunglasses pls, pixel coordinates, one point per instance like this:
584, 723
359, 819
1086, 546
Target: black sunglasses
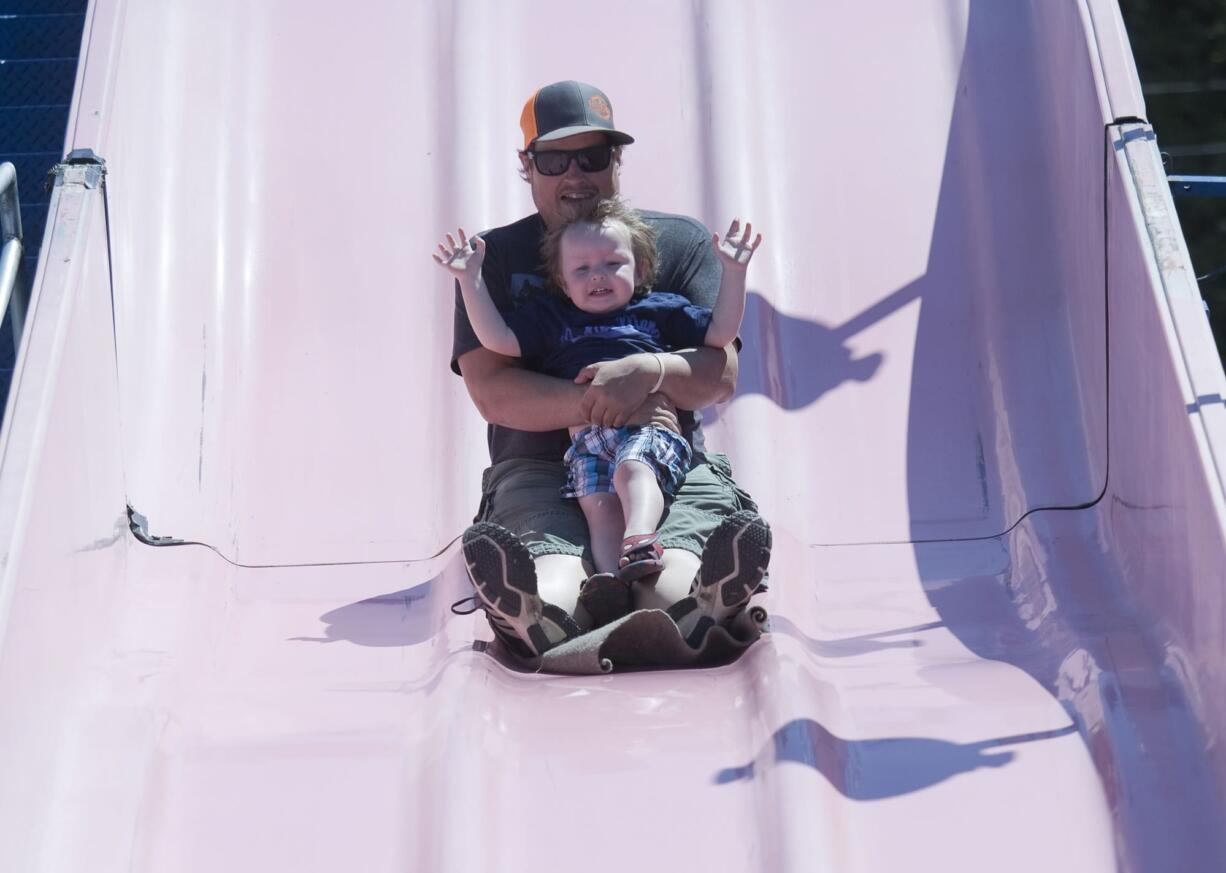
592, 159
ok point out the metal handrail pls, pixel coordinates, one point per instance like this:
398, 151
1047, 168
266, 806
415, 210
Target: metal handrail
1197, 186
10, 233
1200, 186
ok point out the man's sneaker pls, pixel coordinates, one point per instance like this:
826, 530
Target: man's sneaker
504, 577
734, 562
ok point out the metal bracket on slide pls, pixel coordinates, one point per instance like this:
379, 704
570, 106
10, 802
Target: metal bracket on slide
1198, 186
139, 525
81, 167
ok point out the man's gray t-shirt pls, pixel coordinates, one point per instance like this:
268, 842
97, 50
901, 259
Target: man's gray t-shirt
687, 265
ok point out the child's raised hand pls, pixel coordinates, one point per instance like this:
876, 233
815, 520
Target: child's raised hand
735, 249
460, 258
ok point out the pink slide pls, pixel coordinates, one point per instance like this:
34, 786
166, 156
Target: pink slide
979, 403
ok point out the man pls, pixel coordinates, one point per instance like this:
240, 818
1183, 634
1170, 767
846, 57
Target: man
526, 551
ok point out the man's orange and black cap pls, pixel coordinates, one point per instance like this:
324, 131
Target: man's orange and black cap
565, 109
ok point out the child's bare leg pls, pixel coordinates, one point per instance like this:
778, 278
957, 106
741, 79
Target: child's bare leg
605, 525
641, 498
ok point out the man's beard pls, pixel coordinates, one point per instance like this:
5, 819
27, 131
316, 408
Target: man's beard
572, 209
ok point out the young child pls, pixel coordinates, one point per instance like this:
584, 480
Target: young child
603, 265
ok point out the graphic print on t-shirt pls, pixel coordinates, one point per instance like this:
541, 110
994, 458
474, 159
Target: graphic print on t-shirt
524, 285
626, 326
557, 338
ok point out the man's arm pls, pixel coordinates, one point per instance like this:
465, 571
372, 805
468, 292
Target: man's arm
506, 394
693, 378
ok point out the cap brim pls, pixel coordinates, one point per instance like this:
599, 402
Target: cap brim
615, 136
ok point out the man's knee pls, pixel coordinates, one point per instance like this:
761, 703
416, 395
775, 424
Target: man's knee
558, 578
680, 568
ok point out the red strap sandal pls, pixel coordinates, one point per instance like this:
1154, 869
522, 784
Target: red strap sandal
642, 555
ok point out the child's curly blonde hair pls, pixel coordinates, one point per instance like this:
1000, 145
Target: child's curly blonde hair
611, 211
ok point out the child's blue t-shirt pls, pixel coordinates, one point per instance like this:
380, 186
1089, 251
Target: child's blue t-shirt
558, 338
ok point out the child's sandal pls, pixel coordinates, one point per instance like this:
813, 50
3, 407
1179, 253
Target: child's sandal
606, 598
642, 555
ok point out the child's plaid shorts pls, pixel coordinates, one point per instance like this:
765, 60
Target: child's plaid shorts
595, 453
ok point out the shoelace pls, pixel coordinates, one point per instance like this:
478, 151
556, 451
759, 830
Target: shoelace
470, 599
497, 621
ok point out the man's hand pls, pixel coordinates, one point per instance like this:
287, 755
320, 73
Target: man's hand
616, 389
